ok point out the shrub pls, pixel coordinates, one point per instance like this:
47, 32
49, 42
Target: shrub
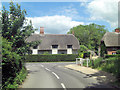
80, 55
115, 55
51, 57
82, 48
20, 76
86, 54
118, 51
11, 64
103, 50
97, 62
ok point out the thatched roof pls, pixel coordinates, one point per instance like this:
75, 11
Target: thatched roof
47, 40
111, 39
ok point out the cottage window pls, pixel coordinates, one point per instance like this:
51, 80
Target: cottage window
54, 46
113, 53
35, 47
69, 46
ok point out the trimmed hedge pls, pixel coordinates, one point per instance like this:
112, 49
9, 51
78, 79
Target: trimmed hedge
116, 55
51, 57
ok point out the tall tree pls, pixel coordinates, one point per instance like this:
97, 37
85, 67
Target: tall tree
89, 35
14, 45
15, 28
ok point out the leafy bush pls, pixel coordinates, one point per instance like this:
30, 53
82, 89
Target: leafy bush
82, 48
80, 55
108, 56
118, 51
86, 54
20, 76
103, 50
111, 65
97, 62
11, 64
51, 57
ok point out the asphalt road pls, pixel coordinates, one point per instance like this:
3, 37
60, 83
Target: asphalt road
55, 75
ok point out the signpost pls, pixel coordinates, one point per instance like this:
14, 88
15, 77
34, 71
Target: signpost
80, 61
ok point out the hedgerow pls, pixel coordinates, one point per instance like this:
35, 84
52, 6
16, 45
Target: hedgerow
51, 57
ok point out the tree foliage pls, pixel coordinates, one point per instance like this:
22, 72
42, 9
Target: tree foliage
103, 50
89, 35
82, 48
15, 30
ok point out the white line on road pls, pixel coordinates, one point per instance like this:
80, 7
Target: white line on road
47, 69
42, 66
55, 75
63, 86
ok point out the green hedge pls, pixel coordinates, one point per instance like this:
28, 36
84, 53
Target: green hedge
116, 55
51, 57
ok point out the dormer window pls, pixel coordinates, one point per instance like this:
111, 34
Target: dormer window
69, 46
34, 47
54, 46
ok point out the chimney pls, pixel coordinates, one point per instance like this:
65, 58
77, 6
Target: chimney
42, 30
117, 30
73, 33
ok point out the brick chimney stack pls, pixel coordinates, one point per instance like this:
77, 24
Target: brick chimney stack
42, 30
117, 30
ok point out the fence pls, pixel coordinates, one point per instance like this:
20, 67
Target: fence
81, 60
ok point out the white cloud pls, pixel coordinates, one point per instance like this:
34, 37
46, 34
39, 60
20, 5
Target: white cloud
54, 24
106, 10
68, 11
45, 0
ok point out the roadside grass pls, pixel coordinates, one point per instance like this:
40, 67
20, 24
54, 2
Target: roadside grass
110, 65
20, 77
116, 83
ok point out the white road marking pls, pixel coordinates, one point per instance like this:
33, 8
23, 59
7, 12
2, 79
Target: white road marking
47, 69
63, 86
56, 75
42, 65
28, 69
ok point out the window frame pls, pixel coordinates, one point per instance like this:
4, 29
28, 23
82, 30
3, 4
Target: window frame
35, 46
69, 46
54, 46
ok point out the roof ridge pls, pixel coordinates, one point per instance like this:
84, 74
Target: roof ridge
54, 34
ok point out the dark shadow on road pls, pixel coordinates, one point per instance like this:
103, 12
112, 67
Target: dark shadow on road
104, 80
32, 72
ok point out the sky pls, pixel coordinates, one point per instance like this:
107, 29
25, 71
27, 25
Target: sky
59, 16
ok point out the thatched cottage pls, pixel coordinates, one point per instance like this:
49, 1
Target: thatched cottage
112, 41
54, 43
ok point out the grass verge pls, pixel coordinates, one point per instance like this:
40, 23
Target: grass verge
110, 65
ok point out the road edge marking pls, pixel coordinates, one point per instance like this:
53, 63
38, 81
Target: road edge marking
56, 75
63, 86
47, 69
42, 65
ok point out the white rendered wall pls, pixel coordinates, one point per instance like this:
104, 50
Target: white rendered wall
69, 51
34, 51
54, 51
